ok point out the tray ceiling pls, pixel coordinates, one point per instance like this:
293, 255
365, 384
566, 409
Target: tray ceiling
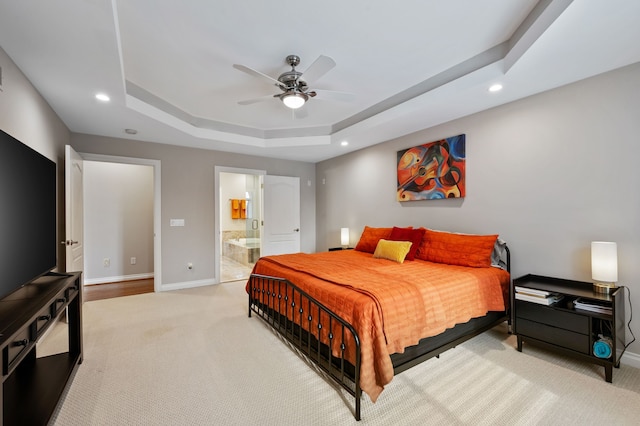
168, 66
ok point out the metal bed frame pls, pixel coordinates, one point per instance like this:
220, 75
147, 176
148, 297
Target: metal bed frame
299, 319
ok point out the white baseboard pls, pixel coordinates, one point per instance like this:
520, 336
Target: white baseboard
115, 279
187, 284
163, 287
631, 359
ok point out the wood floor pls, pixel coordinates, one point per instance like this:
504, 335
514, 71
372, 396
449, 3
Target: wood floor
110, 290
231, 271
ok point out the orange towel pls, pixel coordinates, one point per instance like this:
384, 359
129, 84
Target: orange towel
235, 209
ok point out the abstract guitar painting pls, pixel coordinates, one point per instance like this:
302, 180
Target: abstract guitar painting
432, 171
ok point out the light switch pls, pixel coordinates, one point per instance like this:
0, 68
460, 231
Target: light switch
176, 222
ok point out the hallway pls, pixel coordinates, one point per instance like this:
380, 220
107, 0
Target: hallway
230, 271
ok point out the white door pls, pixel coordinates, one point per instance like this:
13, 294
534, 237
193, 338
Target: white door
73, 210
281, 218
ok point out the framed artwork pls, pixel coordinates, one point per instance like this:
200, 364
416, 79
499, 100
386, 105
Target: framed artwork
432, 171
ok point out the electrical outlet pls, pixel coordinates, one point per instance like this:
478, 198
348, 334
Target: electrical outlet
106, 262
133, 260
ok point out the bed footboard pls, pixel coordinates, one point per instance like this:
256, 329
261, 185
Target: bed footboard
310, 327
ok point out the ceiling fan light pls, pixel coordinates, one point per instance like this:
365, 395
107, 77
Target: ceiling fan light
294, 100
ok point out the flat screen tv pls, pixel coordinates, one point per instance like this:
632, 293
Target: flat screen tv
27, 214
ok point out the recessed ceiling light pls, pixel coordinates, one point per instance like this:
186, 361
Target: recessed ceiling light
103, 97
495, 88
344, 143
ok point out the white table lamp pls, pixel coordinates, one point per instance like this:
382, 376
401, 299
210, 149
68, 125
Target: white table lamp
604, 266
344, 237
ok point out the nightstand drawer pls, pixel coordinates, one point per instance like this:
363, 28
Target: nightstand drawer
553, 317
557, 336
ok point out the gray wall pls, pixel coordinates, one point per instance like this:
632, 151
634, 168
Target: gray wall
26, 116
118, 221
549, 173
187, 185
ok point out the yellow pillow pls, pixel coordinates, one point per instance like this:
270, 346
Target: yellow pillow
392, 250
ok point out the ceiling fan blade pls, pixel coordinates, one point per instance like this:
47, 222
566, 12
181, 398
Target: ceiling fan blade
300, 113
256, 100
255, 73
318, 68
333, 95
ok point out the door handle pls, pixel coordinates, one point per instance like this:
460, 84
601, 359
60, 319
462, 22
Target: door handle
68, 242
297, 230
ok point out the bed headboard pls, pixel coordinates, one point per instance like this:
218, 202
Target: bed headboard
501, 256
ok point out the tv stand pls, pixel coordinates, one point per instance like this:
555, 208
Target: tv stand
32, 386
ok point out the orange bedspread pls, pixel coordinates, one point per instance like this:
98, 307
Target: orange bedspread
391, 305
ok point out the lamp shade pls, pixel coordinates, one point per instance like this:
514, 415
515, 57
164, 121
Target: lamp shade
344, 236
604, 261
294, 100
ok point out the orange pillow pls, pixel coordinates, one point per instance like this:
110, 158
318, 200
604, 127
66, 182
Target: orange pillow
457, 249
370, 237
408, 234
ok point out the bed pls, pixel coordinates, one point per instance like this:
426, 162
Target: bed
401, 297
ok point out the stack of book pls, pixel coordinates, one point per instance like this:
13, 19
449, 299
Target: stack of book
537, 296
599, 306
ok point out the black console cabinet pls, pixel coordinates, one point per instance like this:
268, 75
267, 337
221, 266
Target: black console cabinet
32, 386
564, 328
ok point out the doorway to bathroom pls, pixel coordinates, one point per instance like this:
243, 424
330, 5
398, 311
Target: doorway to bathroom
240, 217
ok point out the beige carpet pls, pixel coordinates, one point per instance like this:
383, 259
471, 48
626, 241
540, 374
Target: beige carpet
192, 357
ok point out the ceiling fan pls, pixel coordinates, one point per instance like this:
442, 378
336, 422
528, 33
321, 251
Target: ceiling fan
295, 84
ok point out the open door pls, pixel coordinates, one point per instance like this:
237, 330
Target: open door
252, 213
281, 227
74, 238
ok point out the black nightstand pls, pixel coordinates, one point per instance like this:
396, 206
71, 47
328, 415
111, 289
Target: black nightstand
563, 327
340, 248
